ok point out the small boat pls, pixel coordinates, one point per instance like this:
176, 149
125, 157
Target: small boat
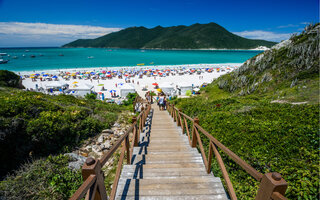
3, 61
3, 54
61, 55
27, 50
23, 55
32, 56
140, 64
15, 57
90, 57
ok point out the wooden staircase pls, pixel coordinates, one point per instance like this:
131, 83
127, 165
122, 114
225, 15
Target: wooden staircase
164, 166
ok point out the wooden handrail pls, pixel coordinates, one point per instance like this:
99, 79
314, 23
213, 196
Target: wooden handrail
225, 175
93, 186
114, 147
278, 196
82, 190
257, 175
272, 185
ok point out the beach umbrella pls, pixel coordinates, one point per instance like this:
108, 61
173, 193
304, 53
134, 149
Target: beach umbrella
75, 82
101, 84
100, 92
126, 75
154, 83
31, 76
54, 77
67, 72
112, 90
37, 74
108, 75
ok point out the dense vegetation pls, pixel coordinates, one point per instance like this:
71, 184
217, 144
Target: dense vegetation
35, 124
195, 36
42, 179
270, 135
9, 79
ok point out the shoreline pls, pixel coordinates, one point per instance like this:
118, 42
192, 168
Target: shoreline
173, 49
58, 70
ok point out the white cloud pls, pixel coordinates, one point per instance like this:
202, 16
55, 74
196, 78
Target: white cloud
264, 35
288, 26
33, 34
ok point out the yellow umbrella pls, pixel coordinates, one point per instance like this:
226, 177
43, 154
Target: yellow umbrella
159, 90
75, 82
31, 76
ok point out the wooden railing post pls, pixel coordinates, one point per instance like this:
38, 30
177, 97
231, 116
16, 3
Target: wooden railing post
209, 158
181, 122
270, 183
135, 132
194, 137
174, 113
127, 143
141, 119
98, 191
145, 114
179, 118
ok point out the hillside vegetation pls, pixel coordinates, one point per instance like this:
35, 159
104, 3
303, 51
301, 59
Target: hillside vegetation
36, 124
267, 112
196, 36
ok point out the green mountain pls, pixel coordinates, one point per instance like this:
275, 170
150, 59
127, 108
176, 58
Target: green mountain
267, 112
196, 36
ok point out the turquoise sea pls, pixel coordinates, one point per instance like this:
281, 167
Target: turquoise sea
62, 58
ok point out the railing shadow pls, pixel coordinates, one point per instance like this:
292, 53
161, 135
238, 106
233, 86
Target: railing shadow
138, 171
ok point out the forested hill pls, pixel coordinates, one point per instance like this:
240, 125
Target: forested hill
196, 36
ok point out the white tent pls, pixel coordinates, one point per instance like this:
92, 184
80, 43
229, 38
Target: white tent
81, 89
167, 88
184, 87
56, 85
125, 89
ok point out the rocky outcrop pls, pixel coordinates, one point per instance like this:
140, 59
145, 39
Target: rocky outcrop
97, 146
291, 60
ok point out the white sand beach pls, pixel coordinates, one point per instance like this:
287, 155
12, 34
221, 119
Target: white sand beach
105, 85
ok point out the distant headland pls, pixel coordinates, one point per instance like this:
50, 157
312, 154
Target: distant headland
196, 36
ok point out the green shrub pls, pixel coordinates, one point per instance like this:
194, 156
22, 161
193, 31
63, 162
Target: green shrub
90, 96
42, 179
9, 79
269, 136
39, 124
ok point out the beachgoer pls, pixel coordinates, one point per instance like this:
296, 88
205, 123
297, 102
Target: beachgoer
161, 102
164, 105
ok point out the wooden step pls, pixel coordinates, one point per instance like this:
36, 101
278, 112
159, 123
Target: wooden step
165, 166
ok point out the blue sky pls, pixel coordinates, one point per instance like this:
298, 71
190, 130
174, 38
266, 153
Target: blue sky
55, 22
